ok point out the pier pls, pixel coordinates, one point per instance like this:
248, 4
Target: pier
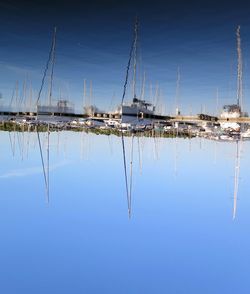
10, 115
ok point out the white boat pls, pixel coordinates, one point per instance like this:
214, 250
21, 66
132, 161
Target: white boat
231, 111
246, 134
110, 123
139, 108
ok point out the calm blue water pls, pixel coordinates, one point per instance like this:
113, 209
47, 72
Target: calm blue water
181, 237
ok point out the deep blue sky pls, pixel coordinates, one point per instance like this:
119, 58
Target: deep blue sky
94, 40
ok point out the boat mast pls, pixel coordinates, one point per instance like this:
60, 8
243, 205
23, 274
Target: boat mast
143, 86
51, 59
177, 92
84, 102
52, 65
239, 69
131, 54
135, 56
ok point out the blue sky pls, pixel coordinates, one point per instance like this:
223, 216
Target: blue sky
94, 40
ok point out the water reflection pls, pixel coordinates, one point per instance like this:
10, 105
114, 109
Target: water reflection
236, 175
45, 170
20, 144
172, 219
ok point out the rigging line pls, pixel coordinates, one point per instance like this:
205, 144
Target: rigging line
45, 73
125, 172
128, 65
41, 154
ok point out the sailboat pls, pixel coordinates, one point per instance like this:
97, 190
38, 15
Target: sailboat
62, 106
138, 108
235, 110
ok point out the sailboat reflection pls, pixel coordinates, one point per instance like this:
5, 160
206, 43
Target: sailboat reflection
236, 175
128, 182
45, 169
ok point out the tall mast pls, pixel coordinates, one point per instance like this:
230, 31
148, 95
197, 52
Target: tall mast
30, 100
51, 60
52, 65
177, 92
135, 56
90, 92
84, 94
239, 71
17, 94
132, 53
143, 86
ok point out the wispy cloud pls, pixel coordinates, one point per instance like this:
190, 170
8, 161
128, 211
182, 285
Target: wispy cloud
30, 171
20, 69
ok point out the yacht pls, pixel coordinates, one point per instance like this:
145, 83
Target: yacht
231, 111
139, 108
